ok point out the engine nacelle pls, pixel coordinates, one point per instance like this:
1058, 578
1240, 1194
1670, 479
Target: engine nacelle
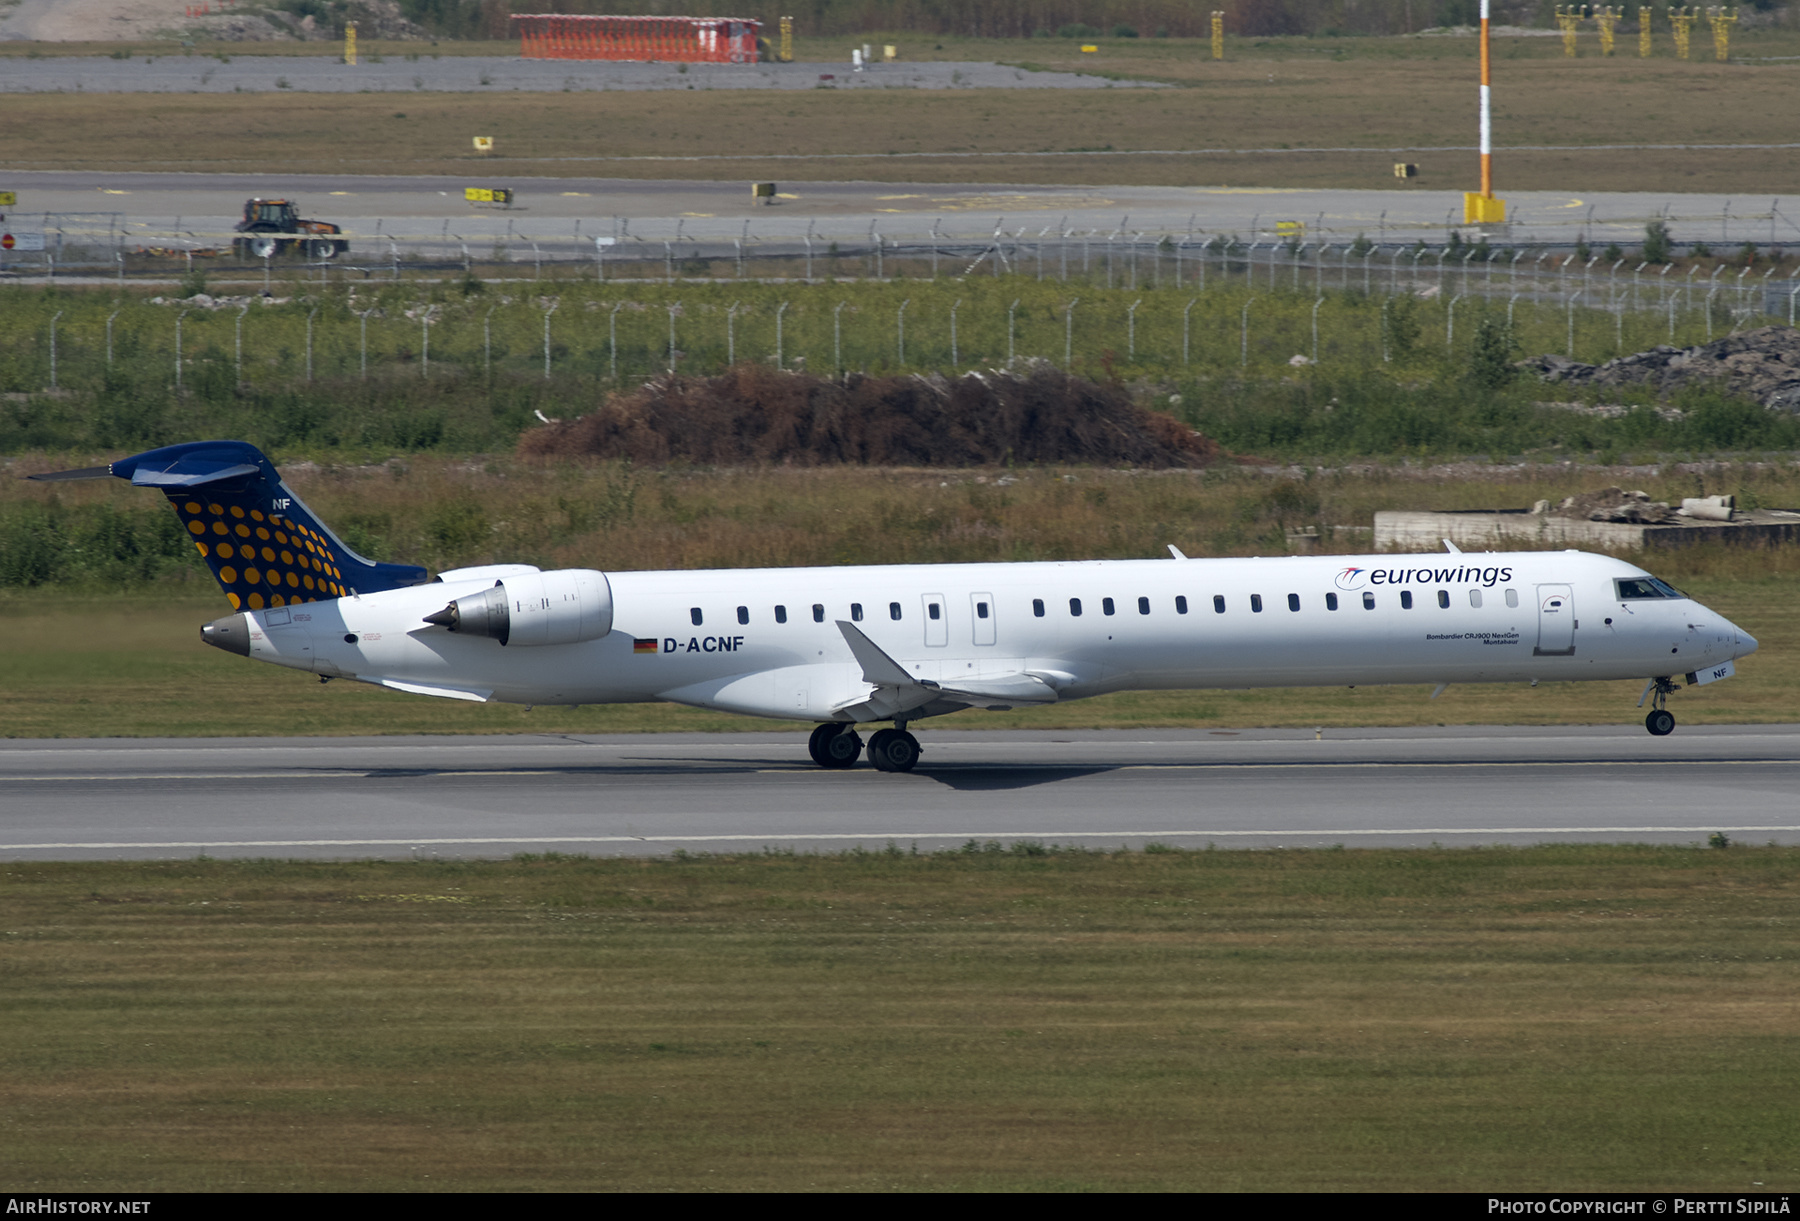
563, 607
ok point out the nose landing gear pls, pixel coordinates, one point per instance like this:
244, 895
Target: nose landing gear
1660, 721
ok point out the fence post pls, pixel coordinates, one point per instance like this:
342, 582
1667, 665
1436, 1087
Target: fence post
53, 318
837, 336
309, 342
1385, 302
880, 268
779, 353
672, 310
238, 341
425, 344
547, 314
1315, 326
1131, 329
612, 337
809, 233
957, 304
537, 257
731, 335
900, 330
1069, 334
1184, 329
115, 314
934, 246
183, 314
1011, 310
1573, 298
1244, 349
1450, 322
487, 343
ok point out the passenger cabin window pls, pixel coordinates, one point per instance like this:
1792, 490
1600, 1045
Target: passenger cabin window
1406, 599
1075, 607
1444, 598
1256, 603
934, 610
818, 612
1106, 606
781, 614
1293, 602
1143, 606
856, 612
1218, 604
743, 614
1330, 601
1037, 607
1512, 597
1181, 604
981, 611
695, 615
1475, 598
1368, 601
894, 610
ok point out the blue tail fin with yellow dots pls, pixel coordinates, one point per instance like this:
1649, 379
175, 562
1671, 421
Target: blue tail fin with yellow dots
262, 543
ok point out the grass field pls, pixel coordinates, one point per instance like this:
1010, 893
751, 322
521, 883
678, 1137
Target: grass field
1289, 94
122, 656
1558, 1018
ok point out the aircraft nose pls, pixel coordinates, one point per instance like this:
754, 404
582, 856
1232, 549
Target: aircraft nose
1746, 643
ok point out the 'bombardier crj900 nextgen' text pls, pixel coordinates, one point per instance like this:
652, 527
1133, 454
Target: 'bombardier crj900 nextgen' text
848, 646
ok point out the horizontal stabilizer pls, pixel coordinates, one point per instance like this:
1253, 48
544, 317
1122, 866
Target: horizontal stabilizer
190, 474
86, 472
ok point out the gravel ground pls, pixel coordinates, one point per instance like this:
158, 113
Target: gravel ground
319, 74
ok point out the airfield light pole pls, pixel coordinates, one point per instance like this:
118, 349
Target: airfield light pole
1481, 208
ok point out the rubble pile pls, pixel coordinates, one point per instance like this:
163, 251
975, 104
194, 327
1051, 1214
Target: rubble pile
1763, 365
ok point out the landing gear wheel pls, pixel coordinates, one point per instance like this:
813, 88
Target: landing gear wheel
321, 249
1661, 722
835, 746
264, 247
894, 750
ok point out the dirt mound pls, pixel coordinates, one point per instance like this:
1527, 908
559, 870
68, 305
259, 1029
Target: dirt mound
1763, 364
751, 415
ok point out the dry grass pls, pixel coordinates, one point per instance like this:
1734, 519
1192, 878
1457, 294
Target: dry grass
1564, 1018
1293, 93
130, 662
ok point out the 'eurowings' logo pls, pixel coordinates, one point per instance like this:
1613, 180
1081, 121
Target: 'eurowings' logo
1351, 578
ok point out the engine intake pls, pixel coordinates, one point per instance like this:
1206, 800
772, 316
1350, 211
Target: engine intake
563, 607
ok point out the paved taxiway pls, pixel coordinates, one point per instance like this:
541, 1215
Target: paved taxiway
171, 207
651, 794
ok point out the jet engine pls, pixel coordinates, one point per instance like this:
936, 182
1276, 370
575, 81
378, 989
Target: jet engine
563, 607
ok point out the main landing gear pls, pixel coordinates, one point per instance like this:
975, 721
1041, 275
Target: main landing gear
1660, 721
838, 746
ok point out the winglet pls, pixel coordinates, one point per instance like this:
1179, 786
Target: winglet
877, 667
1176, 552
1452, 548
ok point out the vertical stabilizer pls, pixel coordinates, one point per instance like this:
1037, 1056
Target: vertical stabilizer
262, 543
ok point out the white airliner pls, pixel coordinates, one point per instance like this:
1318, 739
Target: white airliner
849, 646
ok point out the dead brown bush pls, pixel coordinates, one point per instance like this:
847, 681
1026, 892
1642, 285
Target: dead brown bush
753, 415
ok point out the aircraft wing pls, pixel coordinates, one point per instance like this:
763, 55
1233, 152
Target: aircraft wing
896, 691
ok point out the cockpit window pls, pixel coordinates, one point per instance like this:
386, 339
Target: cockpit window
1632, 589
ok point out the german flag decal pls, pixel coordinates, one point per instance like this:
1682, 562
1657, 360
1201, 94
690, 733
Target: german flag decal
643, 646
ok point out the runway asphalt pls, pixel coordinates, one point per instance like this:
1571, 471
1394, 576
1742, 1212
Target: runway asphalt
655, 794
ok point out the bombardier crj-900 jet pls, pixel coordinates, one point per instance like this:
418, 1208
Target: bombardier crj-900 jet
854, 645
